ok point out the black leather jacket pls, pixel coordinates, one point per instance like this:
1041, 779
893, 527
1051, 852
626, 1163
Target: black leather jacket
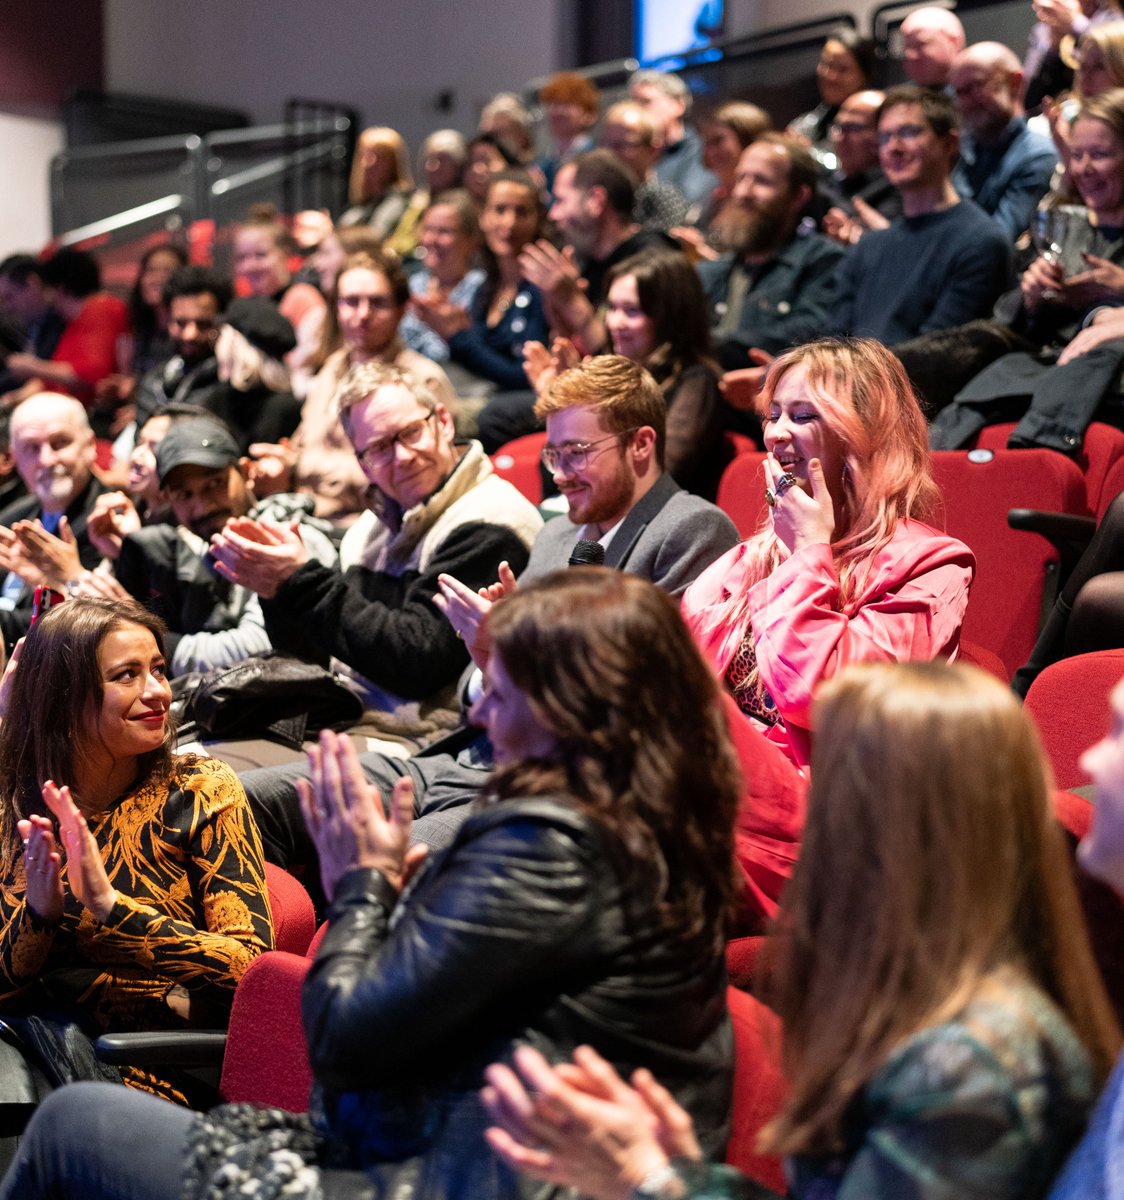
519, 932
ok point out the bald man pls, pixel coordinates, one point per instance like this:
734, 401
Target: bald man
53, 447
931, 40
631, 133
1004, 167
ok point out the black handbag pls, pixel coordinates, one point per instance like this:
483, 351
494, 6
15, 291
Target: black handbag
270, 695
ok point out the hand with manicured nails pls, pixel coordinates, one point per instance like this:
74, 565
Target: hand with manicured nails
800, 519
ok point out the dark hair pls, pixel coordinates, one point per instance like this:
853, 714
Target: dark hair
142, 316
607, 666
461, 201
937, 108
487, 289
181, 410
20, 267
385, 263
490, 139
672, 298
74, 271
56, 693
802, 168
194, 281
862, 49
603, 169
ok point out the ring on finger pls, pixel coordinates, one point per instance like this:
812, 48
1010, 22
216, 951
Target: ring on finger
786, 481
770, 497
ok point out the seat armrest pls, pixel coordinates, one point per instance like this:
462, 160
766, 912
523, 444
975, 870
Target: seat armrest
163, 1048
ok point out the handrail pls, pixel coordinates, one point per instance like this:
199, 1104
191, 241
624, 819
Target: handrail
269, 169
178, 141
122, 220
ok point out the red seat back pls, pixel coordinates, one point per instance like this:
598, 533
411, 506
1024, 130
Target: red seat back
759, 1087
266, 1059
294, 918
741, 491
1012, 568
1069, 704
517, 461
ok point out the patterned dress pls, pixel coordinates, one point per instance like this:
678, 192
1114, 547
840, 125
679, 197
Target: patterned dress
192, 912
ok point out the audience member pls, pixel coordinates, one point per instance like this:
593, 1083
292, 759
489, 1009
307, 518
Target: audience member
253, 394
570, 103
26, 300
931, 40
943, 261
195, 298
1091, 1173
53, 446
657, 317
848, 64
507, 309
590, 901
605, 423
668, 99
944, 1025
629, 132
381, 182
725, 134
89, 348
435, 506
211, 623
1100, 68
1049, 59
487, 156
440, 164
326, 261
261, 261
507, 118
12, 487
1055, 308
1003, 166
773, 288
449, 238
857, 194
843, 567
368, 304
594, 200
132, 884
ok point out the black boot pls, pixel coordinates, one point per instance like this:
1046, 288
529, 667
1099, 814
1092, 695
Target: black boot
1047, 649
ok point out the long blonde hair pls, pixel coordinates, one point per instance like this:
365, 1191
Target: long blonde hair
930, 858
379, 137
865, 398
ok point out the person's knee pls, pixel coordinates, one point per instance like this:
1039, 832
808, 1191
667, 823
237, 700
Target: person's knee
1097, 622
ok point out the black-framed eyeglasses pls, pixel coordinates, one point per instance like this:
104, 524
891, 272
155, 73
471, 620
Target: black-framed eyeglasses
381, 451
575, 456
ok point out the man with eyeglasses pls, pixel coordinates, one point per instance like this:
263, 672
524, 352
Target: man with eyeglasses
435, 506
943, 262
195, 297
859, 194
605, 425
1004, 166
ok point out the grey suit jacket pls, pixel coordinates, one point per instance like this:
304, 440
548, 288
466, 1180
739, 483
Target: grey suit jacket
669, 536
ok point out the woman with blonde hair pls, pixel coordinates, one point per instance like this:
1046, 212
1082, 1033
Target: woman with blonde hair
381, 181
944, 1023
843, 567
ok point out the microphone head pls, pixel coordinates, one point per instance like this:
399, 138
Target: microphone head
587, 553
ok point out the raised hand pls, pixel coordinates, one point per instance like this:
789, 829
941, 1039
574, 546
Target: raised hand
800, 520
465, 609
85, 871
347, 821
43, 868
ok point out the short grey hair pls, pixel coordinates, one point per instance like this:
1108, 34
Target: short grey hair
364, 379
667, 81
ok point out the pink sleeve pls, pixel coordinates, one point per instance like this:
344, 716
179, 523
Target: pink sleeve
910, 608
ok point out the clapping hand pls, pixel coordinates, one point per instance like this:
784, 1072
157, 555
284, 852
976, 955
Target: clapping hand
43, 866
347, 821
259, 555
85, 871
465, 609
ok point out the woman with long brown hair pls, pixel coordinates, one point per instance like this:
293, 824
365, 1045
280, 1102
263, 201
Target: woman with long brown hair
944, 1023
843, 567
132, 886
585, 899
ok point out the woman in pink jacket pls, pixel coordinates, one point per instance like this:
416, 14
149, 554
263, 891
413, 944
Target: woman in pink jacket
843, 569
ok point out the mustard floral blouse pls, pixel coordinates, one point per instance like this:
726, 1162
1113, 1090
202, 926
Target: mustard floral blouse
192, 913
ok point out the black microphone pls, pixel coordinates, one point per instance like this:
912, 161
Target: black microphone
586, 554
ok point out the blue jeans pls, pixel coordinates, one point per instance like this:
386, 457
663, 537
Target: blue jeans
101, 1141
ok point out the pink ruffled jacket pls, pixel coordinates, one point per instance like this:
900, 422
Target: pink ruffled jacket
910, 606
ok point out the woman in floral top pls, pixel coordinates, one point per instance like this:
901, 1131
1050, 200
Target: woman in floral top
132, 884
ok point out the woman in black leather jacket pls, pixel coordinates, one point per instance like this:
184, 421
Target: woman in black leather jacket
583, 902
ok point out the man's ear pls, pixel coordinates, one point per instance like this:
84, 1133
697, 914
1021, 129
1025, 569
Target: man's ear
801, 198
643, 445
243, 466
597, 201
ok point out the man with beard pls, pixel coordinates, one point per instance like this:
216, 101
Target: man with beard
211, 622
605, 424
53, 446
594, 198
775, 288
195, 298
944, 261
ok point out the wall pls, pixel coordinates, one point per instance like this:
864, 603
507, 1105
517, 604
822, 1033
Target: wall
390, 60
26, 147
